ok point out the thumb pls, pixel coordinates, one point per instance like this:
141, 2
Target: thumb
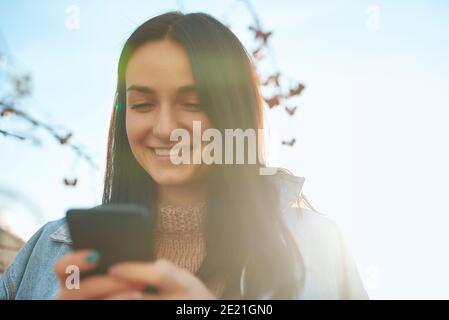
84, 260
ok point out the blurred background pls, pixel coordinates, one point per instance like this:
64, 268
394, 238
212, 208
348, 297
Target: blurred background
357, 103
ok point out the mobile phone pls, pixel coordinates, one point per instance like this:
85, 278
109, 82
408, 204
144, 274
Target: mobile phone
118, 232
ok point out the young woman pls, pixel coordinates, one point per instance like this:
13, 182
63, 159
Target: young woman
223, 230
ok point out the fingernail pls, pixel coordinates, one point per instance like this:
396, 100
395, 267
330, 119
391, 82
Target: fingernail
92, 257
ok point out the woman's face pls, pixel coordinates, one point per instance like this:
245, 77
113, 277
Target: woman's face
160, 98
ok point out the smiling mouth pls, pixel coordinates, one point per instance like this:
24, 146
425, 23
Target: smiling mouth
165, 153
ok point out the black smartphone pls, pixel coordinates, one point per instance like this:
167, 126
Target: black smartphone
119, 232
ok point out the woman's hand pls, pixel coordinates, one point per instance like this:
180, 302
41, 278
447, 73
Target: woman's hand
173, 282
93, 287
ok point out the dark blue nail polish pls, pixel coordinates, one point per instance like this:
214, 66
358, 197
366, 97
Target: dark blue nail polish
92, 257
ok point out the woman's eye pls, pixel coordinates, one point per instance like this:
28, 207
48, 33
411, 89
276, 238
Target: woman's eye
191, 105
142, 105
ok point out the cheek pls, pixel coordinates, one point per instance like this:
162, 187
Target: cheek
136, 128
205, 122
202, 117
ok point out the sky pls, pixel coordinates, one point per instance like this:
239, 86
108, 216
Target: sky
371, 125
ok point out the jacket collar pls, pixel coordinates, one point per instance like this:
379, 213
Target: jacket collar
62, 234
288, 186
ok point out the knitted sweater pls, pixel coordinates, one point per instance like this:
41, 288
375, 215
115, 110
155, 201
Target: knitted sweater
179, 235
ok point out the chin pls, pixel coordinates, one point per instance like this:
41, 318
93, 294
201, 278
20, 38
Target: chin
177, 176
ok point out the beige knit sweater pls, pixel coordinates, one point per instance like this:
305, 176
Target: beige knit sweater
179, 235
180, 238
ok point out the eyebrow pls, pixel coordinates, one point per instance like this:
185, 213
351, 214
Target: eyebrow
148, 90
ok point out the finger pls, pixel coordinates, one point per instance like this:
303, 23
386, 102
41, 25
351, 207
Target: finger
138, 295
95, 287
85, 260
161, 274
174, 296
127, 295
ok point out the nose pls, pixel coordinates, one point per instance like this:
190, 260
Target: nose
165, 123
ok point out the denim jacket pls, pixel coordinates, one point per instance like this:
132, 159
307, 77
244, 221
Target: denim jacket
329, 269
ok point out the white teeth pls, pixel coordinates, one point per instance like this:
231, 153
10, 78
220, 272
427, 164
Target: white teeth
162, 152
174, 151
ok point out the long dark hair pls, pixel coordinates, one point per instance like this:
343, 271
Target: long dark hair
245, 233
